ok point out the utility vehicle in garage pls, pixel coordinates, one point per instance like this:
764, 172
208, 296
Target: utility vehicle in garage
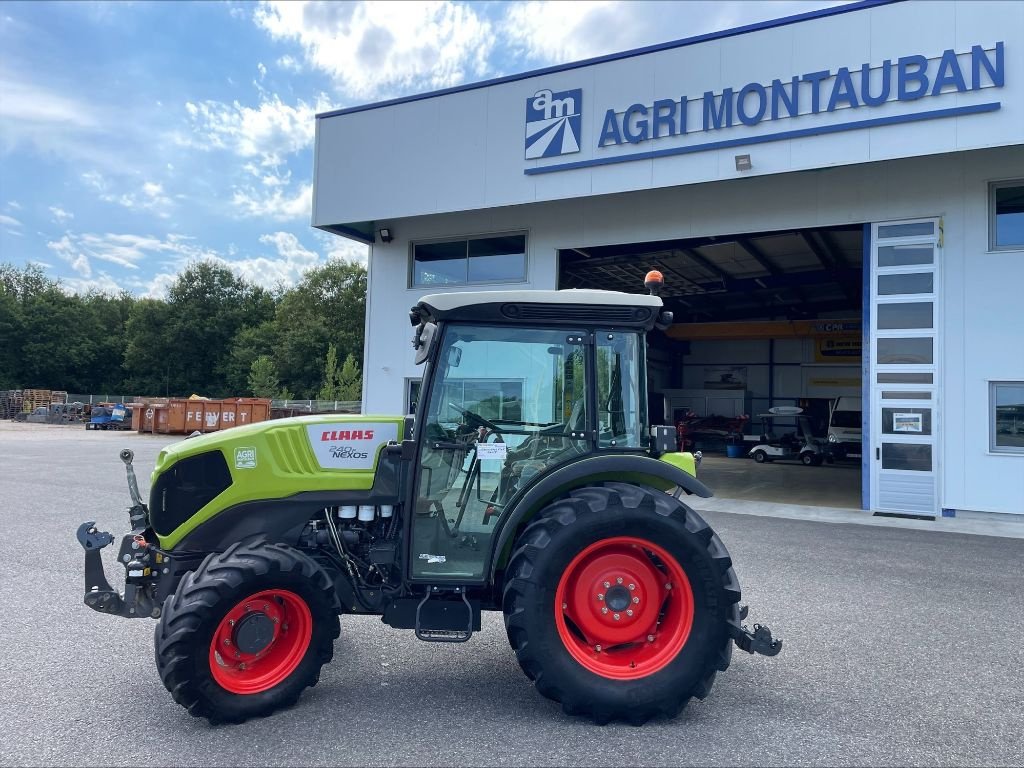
556, 504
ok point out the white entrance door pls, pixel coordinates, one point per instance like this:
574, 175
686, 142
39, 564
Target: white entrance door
905, 272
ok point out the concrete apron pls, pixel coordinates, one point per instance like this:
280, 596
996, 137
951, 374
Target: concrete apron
975, 523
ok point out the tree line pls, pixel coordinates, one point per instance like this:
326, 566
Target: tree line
215, 334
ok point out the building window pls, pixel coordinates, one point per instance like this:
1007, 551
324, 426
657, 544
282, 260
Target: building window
475, 261
1006, 215
1006, 400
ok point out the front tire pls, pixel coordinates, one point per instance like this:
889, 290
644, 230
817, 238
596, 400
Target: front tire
247, 632
760, 456
672, 634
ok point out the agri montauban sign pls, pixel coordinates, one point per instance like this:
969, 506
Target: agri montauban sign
852, 92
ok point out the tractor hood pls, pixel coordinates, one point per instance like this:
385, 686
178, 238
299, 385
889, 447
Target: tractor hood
196, 478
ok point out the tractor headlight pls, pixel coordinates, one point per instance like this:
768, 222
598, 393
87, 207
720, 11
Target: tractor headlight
833, 439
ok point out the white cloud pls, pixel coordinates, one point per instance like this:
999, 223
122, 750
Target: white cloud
60, 215
26, 105
150, 196
125, 250
262, 69
69, 252
289, 63
337, 247
372, 48
275, 204
559, 32
9, 221
292, 261
52, 120
268, 132
102, 282
285, 264
14, 232
13, 205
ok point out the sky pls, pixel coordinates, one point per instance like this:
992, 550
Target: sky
136, 137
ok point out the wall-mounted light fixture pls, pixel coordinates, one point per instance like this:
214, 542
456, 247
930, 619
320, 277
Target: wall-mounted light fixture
385, 234
743, 163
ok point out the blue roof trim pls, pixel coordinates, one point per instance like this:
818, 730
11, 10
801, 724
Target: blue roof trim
913, 117
771, 24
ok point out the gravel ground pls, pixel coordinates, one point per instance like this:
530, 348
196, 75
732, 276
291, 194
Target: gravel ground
902, 647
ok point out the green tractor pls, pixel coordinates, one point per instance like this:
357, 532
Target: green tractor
528, 482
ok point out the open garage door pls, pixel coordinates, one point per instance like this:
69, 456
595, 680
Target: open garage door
765, 351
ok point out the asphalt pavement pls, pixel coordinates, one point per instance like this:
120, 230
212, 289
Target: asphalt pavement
902, 647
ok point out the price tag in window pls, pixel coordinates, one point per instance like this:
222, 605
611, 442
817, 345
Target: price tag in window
486, 451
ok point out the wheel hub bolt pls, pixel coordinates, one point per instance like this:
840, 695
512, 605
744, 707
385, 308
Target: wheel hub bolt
242, 666
564, 606
650, 638
618, 580
248, 607
616, 617
231, 622
597, 648
607, 584
629, 612
636, 600
226, 641
600, 596
668, 586
632, 587
605, 609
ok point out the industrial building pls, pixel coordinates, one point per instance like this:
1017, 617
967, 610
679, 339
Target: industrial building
836, 200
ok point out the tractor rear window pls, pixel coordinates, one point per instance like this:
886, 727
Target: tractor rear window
185, 488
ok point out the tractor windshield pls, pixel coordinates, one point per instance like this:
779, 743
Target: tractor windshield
507, 403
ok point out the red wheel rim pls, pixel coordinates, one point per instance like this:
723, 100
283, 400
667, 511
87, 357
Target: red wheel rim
260, 641
624, 608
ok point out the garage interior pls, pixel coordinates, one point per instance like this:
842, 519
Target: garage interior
761, 320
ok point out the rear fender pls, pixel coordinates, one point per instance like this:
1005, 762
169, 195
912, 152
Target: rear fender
640, 470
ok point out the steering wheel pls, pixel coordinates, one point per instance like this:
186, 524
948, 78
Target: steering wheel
475, 420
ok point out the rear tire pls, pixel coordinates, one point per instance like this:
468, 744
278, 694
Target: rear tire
287, 593
554, 622
760, 456
807, 459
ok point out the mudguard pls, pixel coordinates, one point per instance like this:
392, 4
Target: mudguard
643, 470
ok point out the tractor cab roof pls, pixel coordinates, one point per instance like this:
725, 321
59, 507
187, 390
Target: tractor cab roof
567, 307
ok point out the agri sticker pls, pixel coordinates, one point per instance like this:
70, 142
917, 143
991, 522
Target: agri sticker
245, 458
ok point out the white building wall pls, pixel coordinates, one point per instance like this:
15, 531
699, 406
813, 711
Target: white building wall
983, 324
466, 150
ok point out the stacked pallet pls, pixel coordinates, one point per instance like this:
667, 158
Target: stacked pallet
35, 398
10, 403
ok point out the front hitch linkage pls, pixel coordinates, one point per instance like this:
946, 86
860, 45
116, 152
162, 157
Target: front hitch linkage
759, 641
141, 564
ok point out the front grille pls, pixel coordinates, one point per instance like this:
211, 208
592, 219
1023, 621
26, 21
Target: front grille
185, 488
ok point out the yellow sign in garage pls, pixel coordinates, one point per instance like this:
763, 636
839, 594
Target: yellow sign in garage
838, 349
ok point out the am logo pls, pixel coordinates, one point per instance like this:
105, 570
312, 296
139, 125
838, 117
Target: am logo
346, 434
553, 123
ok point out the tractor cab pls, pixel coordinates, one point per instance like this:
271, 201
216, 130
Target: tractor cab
517, 384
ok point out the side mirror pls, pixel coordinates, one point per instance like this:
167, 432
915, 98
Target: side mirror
424, 341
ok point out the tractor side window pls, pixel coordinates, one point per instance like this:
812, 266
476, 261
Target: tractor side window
507, 403
621, 390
